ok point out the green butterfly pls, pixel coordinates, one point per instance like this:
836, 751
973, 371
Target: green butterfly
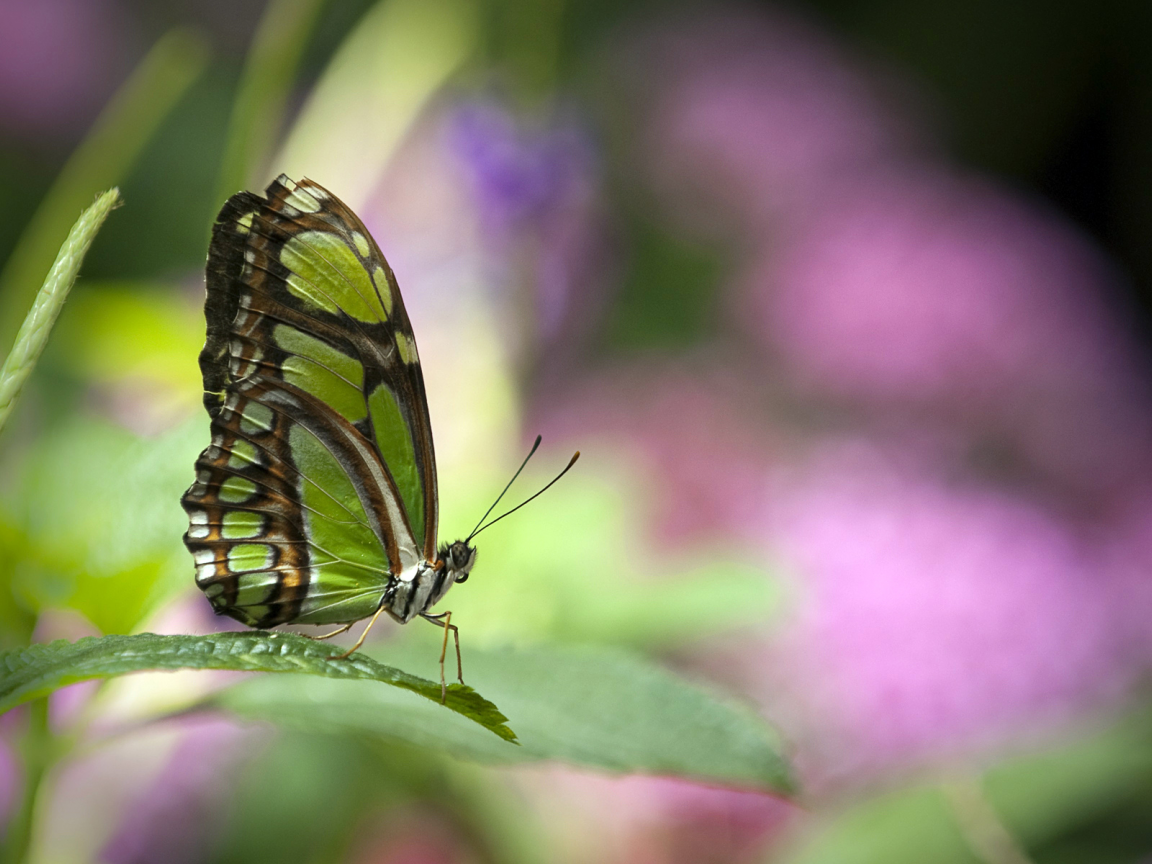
315, 502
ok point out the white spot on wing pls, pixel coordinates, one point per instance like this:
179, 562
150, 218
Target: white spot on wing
303, 200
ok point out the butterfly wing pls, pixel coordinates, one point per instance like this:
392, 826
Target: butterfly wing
319, 486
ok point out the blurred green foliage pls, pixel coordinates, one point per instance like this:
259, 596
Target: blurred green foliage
364, 786
105, 157
92, 514
1043, 799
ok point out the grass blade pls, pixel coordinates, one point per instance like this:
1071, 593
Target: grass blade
375, 86
269, 71
33, 334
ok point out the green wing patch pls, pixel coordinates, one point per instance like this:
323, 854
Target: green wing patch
394, 439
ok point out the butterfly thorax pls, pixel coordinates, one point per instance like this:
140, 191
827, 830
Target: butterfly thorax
417, 590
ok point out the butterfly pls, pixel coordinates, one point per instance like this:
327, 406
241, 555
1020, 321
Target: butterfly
316, 500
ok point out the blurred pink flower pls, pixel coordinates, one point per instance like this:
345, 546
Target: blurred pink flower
696, 824
651, 820
924, 285
874, 276
760, 111
693, 434
929, 290
937, 616
941, 610
412, 835
58, 62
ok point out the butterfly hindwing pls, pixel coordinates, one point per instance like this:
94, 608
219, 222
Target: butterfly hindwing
319, 486
265, 522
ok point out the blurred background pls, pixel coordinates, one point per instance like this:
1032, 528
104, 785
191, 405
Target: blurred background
847, 305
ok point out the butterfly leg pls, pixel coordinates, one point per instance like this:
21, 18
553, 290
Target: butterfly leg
335, 632
359, 641
445, 620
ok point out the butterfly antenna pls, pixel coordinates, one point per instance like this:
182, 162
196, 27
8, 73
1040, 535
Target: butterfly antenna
571, 462
476, 530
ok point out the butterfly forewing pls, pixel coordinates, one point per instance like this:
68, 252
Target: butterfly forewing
319, 485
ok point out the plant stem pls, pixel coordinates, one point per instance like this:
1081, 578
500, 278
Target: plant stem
979, 823
33, 333
38, 752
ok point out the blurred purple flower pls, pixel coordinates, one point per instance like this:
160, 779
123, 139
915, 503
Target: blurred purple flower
936, 616
58, 61
760, 111
167, 822
533, 187
517, 174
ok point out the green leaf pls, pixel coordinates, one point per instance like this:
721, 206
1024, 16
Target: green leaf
36, 671
37, 325
581, 705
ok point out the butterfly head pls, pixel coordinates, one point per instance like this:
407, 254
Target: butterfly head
459, 558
